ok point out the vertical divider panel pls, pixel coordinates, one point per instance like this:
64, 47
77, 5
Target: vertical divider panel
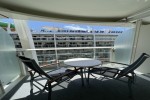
9, 65
123, 46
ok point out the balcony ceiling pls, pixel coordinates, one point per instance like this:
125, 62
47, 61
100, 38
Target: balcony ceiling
77, 10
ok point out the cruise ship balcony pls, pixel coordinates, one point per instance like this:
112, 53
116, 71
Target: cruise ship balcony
18, 87
116, 31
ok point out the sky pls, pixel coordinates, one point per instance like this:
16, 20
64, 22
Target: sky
38, 25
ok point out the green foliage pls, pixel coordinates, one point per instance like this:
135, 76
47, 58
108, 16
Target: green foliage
6, 25
12, 26
3, 24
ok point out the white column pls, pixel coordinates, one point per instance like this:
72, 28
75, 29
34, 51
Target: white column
8, 28
55, 43
94, 51
137, 31
25, 38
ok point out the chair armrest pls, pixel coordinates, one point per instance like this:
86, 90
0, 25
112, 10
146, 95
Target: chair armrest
53, 63
116, 63
108, 69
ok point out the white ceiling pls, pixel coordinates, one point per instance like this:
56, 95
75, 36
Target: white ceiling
79, 10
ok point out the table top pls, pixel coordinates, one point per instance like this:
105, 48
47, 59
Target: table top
82, 62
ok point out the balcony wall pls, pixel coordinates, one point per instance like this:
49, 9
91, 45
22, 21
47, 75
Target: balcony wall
144, 46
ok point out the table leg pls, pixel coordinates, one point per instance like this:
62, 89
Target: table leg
88, 76
82, 76
84, 71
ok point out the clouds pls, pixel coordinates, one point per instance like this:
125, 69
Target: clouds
50, 28
74, 27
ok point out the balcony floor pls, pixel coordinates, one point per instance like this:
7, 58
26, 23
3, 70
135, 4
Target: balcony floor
97, 90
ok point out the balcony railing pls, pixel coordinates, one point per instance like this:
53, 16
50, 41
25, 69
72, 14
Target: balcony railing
47, 55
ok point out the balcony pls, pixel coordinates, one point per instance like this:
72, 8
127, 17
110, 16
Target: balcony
64, 47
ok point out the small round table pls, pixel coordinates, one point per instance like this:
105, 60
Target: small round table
82, 63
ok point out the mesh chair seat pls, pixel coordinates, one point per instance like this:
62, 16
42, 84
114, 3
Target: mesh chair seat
105, 71
62, 73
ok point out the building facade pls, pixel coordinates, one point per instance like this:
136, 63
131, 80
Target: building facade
63, 45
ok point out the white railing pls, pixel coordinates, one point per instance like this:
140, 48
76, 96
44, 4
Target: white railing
48, 54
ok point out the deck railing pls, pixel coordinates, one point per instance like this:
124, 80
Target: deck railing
47, 55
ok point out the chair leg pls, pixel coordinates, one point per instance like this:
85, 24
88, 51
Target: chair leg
49, 91
130, 87
88, 78
31, 79
81, 73
31, 84
134, 78
84, 71
31, 90
45, 87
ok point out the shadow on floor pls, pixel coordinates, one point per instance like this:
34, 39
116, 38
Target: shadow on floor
97, 90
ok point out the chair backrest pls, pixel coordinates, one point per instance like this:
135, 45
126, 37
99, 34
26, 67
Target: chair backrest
134, 65
31, 63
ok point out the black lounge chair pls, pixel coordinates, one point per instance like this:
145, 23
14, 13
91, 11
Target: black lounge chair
55, 78
116, 73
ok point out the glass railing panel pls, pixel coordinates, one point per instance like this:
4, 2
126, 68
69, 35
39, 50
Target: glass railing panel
74, 44
103, 54
9, 67
75, 53
74, 37
124, 46
47, 56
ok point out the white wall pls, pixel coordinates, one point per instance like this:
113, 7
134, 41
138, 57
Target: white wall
143, 45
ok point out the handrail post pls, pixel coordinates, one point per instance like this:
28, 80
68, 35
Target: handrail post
112, 56
2, 91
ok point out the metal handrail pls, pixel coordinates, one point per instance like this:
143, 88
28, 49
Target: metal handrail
65, 48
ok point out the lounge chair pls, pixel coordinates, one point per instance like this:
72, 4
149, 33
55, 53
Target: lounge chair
55, 76
116, 73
